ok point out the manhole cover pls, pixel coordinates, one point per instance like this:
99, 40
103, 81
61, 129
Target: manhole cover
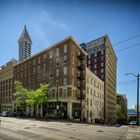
99, 131
27, 127
68, 124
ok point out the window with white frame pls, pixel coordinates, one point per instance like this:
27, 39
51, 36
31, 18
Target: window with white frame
65, 48
73, 59
102, 70
95, 66
65, 58
65, 81
44, 67
57, 72
57, 61
57, 51
95, 54
39, 59
95, 60
89, 61
50, 54
102, 64
65, 70
102, 52
89, 56
44, 56
72, 71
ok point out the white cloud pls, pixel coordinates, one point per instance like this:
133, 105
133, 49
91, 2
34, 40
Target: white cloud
43, 24
131, 107
45, 18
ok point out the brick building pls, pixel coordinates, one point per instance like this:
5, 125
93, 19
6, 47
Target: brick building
102, 61
62, 65
6, 86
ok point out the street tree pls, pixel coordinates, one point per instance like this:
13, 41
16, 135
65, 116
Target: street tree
119, 115
38, 97
20, 96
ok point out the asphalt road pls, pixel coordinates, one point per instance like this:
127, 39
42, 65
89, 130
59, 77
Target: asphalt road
29, 129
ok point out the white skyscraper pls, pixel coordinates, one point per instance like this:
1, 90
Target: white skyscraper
25, 43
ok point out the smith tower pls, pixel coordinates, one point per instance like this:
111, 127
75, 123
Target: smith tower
25, 43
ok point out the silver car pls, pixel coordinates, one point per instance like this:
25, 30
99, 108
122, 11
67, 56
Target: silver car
133, 123
5, 114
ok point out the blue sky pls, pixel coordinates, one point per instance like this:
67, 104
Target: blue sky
51, 21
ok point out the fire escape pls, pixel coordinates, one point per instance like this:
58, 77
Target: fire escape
81, 79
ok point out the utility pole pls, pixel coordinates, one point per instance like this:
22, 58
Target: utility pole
138, 77
57, 106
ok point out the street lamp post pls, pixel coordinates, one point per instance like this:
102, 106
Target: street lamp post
138, 77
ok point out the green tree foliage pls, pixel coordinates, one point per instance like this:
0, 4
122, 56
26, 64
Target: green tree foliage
20, 95
24, 97
119, 115
39, 95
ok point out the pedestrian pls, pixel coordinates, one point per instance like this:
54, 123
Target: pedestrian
0, 121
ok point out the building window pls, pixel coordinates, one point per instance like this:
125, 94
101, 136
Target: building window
73, 60
57, 61
65, 58
65, 81
87, 79
60, 92
57, 51
102, 58
90, 114
102, 52
95, 54
44, 56
95, 60
65, 48
65, 70
87, 90
57, 72
72, 71
44, 67
65, 93
95, 71
89, 62
50, 74
39, 69
50, 54
102, 76
73, 81
102, 70
33, 63
89, 56
90, 91
102, 64
87, 101
89, 67
34, 70
87, 113
94, 93
95, 66
39, 59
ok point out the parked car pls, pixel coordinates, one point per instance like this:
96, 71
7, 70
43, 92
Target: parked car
133, 123
5, 114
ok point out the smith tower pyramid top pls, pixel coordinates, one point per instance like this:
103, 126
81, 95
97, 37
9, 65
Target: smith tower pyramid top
25, 43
